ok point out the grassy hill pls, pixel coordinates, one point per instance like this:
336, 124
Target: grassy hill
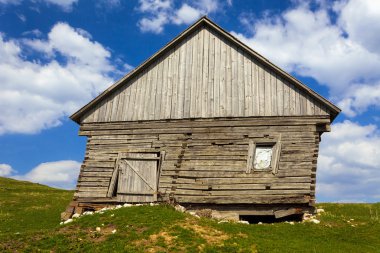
28, 207
29, 222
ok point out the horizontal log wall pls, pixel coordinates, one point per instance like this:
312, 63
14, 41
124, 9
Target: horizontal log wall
206, 160
205, 76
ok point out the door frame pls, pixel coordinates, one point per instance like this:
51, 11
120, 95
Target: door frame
127, 156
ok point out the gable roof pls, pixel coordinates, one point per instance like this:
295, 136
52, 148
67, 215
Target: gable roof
204, 21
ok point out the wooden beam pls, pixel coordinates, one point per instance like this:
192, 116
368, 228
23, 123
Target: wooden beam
113, 180
277, 154
251, 156
283, 213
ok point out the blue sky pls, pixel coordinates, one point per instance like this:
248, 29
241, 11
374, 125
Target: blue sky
56, 55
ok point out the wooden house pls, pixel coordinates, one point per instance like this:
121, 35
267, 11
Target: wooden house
206, 122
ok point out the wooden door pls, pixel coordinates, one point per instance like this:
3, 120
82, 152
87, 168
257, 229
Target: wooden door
137, 180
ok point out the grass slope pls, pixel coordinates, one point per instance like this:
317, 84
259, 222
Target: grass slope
28, 207
29, 217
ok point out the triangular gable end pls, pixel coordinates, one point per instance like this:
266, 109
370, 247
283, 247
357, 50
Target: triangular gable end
205, 72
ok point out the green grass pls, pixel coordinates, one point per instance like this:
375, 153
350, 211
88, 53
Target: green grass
27, 207
29, 222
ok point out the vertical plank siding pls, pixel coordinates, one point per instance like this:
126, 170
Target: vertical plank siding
204, 76
206, 160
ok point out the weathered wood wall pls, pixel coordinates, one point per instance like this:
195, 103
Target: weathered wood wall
206, 159
205, 76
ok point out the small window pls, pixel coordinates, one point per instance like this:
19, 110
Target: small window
263, 158
264, 155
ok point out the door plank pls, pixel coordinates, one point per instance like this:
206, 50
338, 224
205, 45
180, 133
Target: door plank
137, 172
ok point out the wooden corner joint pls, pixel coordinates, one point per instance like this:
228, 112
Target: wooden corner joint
323, 127
70, 210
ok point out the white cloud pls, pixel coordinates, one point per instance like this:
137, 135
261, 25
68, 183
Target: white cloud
127, 67
21, 17
5, 170
159, 13
358, 98
37, 94
349, 164
154, 5
66, 5
207, 6
108, 4
15, 2
360, 18
186, 14
60, 174
75, 44
34, 32
154, 24
342, 55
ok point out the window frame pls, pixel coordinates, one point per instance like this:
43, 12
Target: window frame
276, 150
